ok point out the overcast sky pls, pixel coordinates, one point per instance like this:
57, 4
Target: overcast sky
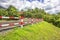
51, 6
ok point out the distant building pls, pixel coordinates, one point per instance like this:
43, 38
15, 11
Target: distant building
21, 12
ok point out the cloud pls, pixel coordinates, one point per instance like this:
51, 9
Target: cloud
50, 6
54, 10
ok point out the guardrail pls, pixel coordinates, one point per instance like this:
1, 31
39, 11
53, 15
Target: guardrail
10, 17
21, 22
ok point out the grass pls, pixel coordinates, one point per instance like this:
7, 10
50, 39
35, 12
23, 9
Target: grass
39, 31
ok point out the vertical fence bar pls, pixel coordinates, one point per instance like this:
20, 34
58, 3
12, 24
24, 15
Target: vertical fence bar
0, 25
32, 21
21, 21
0, 17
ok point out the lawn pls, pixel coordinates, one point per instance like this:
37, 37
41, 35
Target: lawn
38, 31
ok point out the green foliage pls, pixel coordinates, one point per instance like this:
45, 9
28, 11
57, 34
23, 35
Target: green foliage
3, 12
39, 31
11, 11
35, 13
52, 18
58, 22
27, 14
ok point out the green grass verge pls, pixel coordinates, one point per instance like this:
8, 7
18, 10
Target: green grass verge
39, 31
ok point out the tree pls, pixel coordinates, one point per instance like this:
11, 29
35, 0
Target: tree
12, 11
3, 12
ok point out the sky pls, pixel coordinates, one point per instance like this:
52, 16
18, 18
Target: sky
51, 6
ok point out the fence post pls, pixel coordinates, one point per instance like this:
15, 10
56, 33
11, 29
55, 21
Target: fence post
0, 25
0, 17
32, 21
21, 21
